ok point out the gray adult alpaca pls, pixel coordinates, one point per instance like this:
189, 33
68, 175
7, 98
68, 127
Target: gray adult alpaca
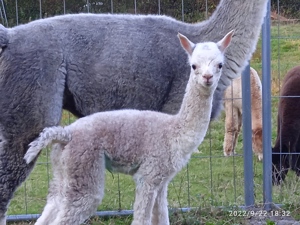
90, 63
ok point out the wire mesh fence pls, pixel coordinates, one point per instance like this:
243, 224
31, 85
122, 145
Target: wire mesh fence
210, 179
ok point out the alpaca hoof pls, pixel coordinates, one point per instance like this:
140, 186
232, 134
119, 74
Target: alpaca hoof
228, 154
260, 157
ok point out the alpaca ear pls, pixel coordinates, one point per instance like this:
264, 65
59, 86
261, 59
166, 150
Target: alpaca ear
187, 45
224, 43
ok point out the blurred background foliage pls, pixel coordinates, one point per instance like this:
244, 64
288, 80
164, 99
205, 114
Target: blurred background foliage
193, 10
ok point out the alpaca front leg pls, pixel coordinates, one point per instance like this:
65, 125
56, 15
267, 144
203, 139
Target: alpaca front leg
143, 204
13, 171
160, 214
231, 129
3, 220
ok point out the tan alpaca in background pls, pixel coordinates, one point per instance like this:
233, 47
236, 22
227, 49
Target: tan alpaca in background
233, 112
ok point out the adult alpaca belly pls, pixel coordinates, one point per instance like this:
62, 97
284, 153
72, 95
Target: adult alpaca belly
120, 77
104, 93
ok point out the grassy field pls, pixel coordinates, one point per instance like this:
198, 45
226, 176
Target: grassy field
209, 180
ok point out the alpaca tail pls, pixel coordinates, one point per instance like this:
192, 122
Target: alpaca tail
47, 136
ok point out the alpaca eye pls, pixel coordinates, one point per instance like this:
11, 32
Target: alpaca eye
194, 67
220, 65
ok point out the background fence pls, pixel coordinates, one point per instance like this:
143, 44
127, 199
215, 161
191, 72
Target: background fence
210, 179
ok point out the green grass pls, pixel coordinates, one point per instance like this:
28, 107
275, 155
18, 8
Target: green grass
209, 180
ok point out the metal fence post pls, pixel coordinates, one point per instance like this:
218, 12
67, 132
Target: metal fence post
266, 110
247, 140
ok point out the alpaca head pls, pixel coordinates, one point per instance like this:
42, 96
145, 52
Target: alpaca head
206, 59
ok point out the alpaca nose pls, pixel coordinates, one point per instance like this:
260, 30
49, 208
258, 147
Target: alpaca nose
207, 77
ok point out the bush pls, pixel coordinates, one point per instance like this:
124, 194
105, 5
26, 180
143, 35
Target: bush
288, 8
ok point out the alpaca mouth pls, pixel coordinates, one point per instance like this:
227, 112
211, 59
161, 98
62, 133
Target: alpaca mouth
208, 83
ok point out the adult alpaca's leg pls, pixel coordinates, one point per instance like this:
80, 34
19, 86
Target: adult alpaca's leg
160, 214
31, 100
284, 161
289, 160
13, 171
239, 119
294, 157
257, 143
232, 127
280, 165
296, 160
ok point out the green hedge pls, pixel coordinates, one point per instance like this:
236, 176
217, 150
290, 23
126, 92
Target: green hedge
194, 10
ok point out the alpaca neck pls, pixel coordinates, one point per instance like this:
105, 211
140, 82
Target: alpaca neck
194, 114
232, 14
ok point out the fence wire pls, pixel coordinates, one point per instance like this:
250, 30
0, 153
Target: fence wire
210, 179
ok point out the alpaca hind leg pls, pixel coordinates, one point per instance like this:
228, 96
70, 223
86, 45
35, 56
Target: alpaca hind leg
74, 211
280, 167
78, 204
257, 143
54, 198
50, 211
83, 187
160, 214
13, 171
297, 158
231, 130
41, 107
296, 164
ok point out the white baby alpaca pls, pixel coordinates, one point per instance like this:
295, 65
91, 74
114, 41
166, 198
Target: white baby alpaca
151, 146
